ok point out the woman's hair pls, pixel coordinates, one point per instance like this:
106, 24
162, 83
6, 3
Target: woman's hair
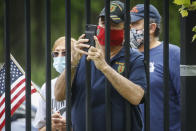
60, 40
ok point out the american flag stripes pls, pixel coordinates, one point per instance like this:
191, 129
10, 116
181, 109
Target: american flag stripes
17, 90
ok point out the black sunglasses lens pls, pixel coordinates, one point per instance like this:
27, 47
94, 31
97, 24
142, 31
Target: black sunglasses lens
55, 54
63, 53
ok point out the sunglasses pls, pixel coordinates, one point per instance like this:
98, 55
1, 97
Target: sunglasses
56, 53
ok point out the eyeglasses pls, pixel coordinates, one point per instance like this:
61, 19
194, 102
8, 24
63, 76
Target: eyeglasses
56, 53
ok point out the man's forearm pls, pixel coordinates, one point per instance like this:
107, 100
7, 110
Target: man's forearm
60, 85
127, 89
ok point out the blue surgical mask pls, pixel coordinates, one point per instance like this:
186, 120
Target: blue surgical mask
59, 63
136, 38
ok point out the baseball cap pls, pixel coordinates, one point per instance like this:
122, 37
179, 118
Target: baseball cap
137, 13
117, 11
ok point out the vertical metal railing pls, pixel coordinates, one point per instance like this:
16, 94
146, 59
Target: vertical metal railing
107, 58
68, 62
166, 63
68, 66
127, 61
146, 62
88, 74
7, 65
48, 65
28, 64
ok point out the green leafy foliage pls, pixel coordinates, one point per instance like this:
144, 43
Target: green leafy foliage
182, 2
194, 36
192, 6
194, 29
187, 5
183, 12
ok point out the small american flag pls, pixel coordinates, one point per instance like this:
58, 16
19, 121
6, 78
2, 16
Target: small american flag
17, 90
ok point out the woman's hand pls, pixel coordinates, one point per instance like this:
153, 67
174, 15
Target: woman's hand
58, 122
77, 51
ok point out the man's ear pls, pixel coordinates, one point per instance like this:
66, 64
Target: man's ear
152, 28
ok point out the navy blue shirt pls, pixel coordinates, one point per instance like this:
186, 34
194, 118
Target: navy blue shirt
157, 88
137, 75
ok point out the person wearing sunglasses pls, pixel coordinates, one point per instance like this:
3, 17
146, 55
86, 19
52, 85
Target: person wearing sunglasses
58, 117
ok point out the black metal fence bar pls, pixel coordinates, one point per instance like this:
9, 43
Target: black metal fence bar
88, 74
166, 63
88, 11
146, 61
107, 57
48, 66
68, 62
28, 64
187, 73
127, 64
7, 65
88, 71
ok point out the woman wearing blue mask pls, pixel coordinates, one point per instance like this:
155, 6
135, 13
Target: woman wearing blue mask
59, 63
58, 54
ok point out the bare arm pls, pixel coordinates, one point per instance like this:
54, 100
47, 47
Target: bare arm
126, 88
60, 85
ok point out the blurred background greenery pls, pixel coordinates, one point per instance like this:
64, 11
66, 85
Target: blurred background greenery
38, 35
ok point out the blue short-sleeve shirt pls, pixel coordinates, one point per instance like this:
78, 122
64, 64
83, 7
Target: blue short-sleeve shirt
137, 75
157, 88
